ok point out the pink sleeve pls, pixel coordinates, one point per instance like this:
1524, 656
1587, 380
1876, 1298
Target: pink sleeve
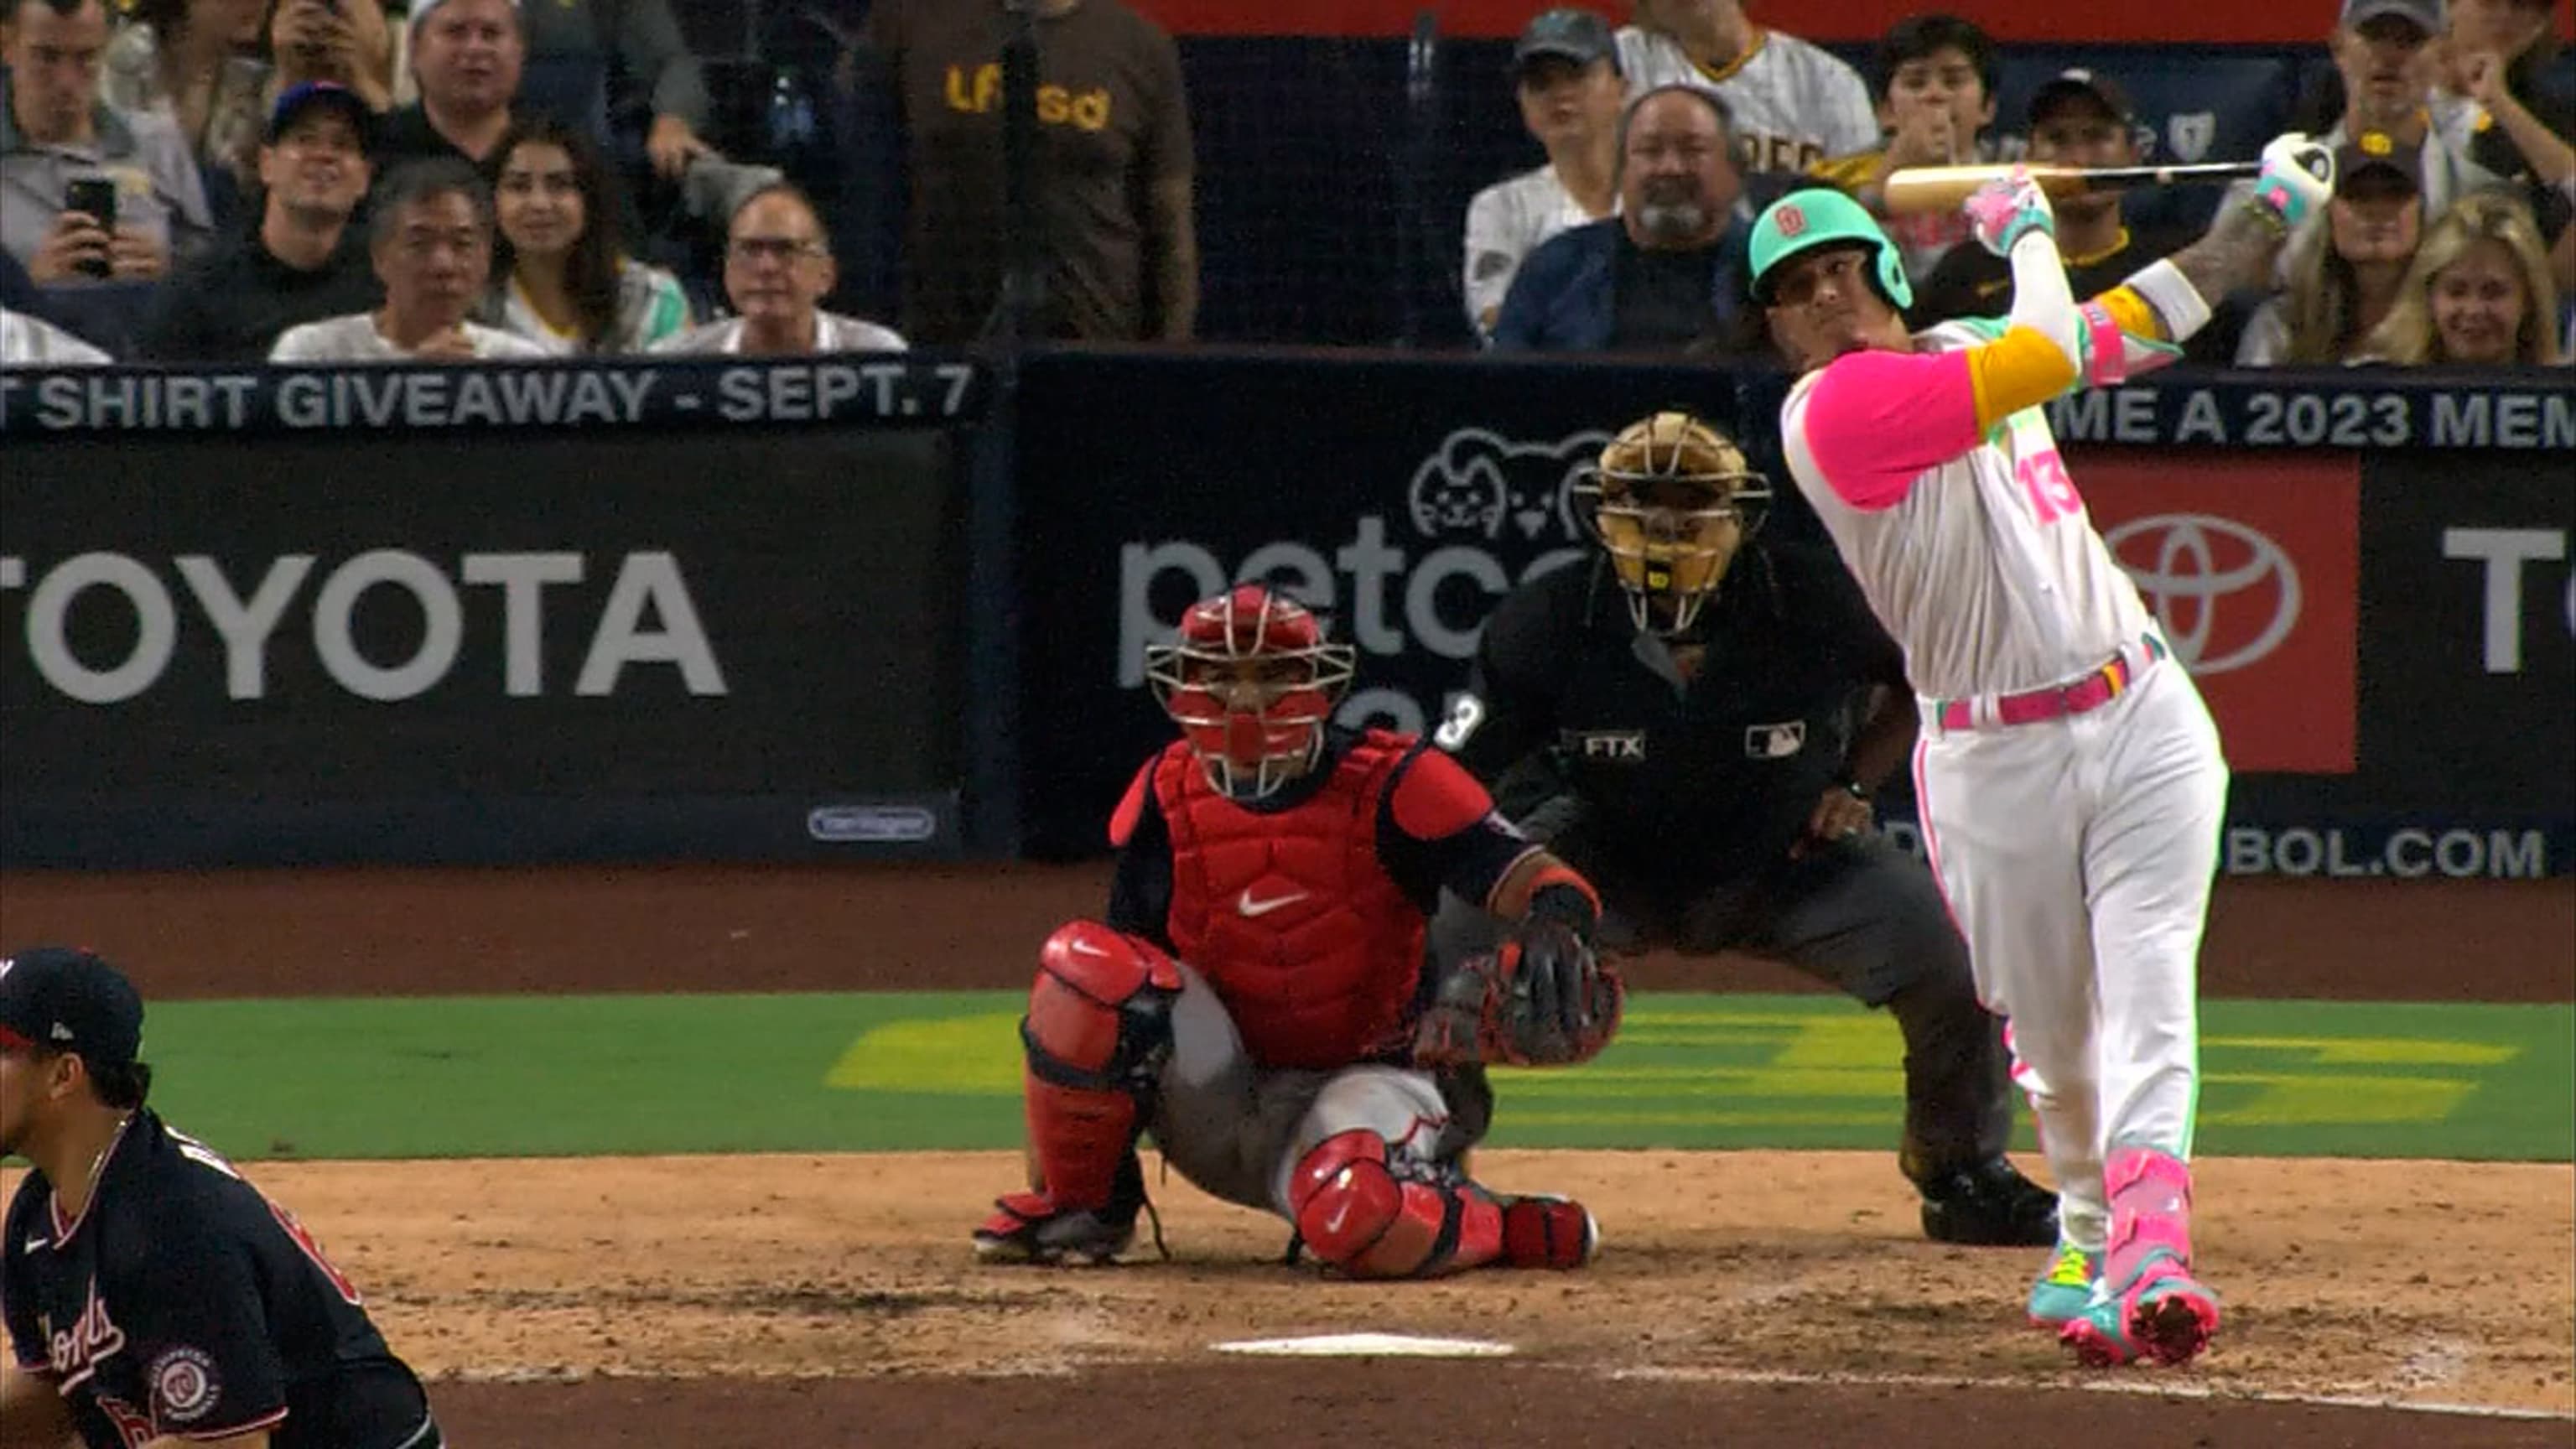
1876, 420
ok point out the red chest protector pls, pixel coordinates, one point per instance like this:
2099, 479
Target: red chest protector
1313, 948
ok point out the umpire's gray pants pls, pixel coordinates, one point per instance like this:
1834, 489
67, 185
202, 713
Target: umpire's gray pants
1860, 914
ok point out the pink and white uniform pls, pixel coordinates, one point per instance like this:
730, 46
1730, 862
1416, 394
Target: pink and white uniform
2069, 776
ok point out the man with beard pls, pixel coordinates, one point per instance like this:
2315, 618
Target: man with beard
1665, 275
1570, 94
431, 241
304, 262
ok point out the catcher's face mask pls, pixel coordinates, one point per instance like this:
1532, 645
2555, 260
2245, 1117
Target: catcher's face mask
1252, 683
1672, 500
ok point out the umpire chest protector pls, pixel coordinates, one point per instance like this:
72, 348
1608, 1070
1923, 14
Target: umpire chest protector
1289, 912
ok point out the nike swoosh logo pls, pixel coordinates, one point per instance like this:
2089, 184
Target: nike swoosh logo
39, 1244
1250, 907
1082, 947
1333, 1224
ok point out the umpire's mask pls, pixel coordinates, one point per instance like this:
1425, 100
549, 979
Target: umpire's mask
1671, 500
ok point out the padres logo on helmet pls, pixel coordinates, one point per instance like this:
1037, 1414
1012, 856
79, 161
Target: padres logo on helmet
1671, 500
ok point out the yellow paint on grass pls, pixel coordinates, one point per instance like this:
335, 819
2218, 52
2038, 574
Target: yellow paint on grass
1756, 1068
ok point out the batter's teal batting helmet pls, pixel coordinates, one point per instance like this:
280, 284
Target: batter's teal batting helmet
1803, 221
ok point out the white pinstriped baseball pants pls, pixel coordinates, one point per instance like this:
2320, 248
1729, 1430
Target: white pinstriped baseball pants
2077, 855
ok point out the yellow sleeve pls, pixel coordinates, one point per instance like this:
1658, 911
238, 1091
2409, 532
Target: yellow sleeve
2021, 369
2133, 314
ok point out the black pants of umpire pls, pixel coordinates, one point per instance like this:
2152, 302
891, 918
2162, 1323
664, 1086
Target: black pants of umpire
1860, 914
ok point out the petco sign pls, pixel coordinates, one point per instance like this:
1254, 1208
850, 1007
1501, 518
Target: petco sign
1483, 511
2251, 563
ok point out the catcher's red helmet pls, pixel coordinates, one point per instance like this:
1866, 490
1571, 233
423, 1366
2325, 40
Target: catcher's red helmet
1251, 681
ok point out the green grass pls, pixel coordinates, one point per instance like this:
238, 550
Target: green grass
571, 1075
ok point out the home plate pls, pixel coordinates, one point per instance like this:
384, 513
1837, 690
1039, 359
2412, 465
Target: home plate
1369, 1345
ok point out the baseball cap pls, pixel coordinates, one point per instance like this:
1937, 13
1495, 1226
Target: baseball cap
55, 998
2427, 14
1569, 34
2105, 92
295, 100
2377, 151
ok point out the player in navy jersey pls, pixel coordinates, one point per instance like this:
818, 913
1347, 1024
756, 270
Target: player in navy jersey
153, 1297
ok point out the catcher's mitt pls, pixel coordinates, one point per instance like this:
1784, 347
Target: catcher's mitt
1543, 1000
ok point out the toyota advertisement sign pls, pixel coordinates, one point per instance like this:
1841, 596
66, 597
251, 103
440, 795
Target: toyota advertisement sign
2253, 563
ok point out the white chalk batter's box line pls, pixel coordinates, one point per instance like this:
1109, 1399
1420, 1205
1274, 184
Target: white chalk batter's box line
2152, 1388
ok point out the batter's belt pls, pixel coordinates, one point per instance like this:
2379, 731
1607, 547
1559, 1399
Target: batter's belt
2089, 691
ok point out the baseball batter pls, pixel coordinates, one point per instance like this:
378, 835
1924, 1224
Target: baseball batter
1258, 998
2069, 777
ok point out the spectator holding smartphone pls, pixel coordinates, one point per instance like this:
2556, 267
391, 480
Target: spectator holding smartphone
345, 43
55, 130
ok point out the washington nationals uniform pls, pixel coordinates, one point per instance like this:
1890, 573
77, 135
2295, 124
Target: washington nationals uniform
1258, 997
267, 1334
1794, 103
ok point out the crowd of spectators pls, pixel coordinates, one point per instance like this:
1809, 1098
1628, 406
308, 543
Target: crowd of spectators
2447, 240
190, 181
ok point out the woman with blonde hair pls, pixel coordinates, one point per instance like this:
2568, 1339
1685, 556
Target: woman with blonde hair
2341, 274
2479, 292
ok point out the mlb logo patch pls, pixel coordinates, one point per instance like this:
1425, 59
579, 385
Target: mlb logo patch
1775, 741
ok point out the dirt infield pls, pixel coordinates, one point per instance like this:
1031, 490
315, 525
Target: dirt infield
1747, 1299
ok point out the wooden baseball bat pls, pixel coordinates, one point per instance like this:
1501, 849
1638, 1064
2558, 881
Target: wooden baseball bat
1918, 189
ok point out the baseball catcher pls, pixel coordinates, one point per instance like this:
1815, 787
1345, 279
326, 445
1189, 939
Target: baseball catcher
1256, 996
1695, 720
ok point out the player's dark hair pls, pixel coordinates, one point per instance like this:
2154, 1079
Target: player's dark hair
1918, 37
122, 1085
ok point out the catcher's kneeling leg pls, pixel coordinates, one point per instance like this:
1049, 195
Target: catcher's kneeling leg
1097, 1034
1379, 1209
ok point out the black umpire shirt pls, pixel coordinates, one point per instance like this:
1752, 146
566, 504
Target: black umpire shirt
182, 1302
1694, 782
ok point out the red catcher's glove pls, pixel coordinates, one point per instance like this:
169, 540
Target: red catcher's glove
1543, 1000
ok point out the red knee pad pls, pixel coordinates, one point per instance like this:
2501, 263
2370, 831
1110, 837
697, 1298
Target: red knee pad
1355, 1213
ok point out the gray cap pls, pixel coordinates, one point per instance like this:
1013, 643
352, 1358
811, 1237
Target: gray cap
1576, 35
2427, 14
